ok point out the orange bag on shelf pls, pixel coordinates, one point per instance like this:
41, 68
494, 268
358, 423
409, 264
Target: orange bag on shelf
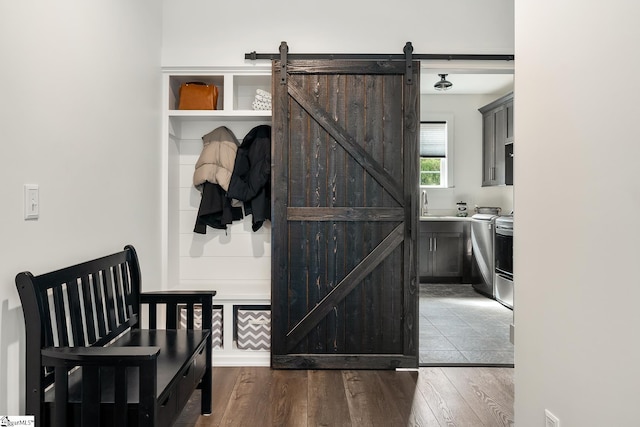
198, 96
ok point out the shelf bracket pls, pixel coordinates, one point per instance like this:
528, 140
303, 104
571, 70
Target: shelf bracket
284, 49
408, 57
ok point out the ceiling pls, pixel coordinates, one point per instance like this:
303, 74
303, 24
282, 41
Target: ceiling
467, 84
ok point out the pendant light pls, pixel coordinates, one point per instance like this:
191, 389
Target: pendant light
443, 84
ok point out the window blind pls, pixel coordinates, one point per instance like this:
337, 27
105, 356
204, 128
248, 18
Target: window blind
433, 139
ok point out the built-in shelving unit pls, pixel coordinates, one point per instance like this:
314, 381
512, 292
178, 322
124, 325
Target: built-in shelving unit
236, 262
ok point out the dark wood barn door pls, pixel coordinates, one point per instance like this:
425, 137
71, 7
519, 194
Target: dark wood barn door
344, 180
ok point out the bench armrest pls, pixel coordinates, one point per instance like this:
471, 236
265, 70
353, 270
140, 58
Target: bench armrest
87, 356
181, 297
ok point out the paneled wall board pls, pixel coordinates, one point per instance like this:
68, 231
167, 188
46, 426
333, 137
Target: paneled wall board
234, 261
224, 267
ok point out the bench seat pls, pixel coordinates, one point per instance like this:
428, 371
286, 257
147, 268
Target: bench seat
181, 365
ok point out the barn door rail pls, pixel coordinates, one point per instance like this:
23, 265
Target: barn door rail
380, 56
408, 56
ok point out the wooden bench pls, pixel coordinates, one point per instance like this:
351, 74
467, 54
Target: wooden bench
88, 362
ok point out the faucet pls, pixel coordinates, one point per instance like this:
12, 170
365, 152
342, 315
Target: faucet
424, 204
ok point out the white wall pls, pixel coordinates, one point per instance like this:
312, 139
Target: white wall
577, 198
203, 32
79, 115
467, 155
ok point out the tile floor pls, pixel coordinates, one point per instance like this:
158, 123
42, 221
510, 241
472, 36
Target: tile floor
459, 326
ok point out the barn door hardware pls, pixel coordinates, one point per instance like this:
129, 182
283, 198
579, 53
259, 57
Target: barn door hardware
408, 53
284, 49
380, 56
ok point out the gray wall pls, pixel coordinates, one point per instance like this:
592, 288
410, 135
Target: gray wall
79, 116
467, 154
577, 196
220, 33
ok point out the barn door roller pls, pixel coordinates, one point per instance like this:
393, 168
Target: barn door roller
408, 53
284, 49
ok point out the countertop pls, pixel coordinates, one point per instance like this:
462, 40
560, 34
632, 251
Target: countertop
445, 218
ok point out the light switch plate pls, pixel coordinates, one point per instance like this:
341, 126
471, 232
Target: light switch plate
31, 201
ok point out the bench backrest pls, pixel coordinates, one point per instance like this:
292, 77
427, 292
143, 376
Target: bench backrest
88, 304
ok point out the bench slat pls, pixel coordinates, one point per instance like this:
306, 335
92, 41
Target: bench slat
75, 313
107, 284
46, 319
153, 316
99, 304
172, 315
127, 291
190, 315
89, 308
60, 316
117, 284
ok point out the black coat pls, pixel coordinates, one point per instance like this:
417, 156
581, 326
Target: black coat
251, 177
215, 209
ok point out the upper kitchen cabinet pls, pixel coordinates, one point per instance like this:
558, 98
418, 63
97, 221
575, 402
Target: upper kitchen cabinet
497, 142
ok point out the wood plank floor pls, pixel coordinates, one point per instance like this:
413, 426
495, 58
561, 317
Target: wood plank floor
460, 396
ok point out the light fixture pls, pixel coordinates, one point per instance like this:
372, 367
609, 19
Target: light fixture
443, 84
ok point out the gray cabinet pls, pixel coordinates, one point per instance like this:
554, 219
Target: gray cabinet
443, 251
497, 142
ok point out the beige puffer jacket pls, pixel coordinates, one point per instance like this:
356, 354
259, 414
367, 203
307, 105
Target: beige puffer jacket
217, 158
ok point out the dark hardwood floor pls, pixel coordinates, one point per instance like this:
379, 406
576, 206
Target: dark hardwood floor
450, 396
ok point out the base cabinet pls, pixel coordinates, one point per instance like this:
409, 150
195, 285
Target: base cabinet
443, 251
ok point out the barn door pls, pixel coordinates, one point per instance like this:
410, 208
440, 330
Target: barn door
344, 180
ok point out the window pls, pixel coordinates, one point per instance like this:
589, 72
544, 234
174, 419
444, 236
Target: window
433, 154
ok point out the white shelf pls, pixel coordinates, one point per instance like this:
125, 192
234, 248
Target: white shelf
236, 89
183, 250
262, 299
220, 113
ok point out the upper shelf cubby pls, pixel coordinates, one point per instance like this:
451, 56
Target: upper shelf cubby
237, 90
245, 89
176, 81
